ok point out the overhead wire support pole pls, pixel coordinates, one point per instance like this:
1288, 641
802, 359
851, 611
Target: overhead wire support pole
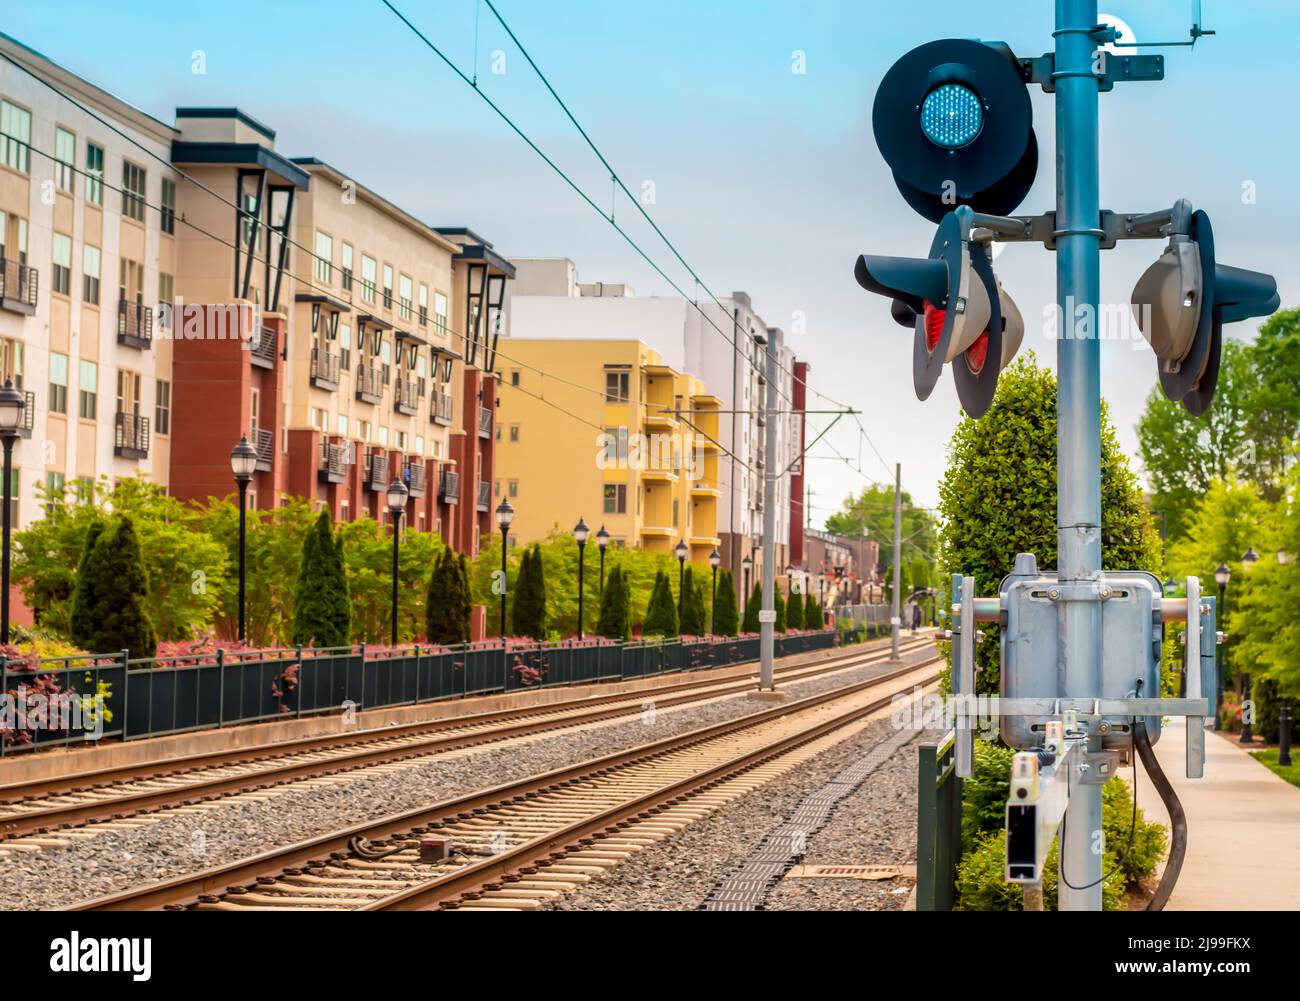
1078, 358
895, 622
767, 625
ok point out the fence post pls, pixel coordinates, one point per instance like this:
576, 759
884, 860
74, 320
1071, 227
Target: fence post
927, 809
938, 825
298, 654
221, 686
4, 690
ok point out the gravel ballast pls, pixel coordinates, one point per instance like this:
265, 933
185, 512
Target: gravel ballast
181, 842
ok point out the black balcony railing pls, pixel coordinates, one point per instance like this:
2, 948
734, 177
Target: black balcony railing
263, 352
370, 387
449, 487
440, 409
29, 414
333, 468
484, 422
377, 471
18, 286
404, 398
264, 442
324, 369
131, 436
484, 500
134, 324
414, 475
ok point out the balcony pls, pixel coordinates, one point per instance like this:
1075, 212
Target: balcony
324, 372
404, 398
263, 352
440, 409
134, 324
29, 414
18, 287
449, 487
377, 471
264, 442
333, 467
414, 475
370, 387
131, 436
484, 422
484, 500
701, 489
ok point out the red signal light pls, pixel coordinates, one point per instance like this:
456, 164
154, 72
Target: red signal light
934, 317
977, 353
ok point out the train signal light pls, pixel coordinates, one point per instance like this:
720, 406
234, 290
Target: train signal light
957, 309
953, 120
1181, 303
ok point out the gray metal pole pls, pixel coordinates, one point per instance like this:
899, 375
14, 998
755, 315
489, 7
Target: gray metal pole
767, 634
1078, 441
894, 620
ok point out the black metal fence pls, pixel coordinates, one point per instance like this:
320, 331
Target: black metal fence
74, 699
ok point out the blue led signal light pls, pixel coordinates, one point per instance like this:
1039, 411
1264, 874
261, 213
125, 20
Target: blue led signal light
952, 116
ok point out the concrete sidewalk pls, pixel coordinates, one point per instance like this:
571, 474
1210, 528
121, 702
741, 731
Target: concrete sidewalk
1242, 824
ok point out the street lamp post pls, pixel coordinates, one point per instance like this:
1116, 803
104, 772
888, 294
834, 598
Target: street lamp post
681, 552
1248, 559
505, 515
715, 559
580, 532
397, 494
602, 540
243, 463
12, 407
748, 564
1221, 577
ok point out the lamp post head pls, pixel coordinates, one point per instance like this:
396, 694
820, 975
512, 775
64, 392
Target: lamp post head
681, 552
12, 407
747, 562
243, 460
1249, 557
505, 514
397, 494
602, 538
715, 559
581, 531
1222, 574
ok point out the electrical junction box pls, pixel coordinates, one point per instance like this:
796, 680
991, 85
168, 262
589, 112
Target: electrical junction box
1130, 647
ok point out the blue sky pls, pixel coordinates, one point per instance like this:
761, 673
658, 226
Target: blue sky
766, 180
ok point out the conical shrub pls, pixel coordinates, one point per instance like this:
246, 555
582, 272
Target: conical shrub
119, 592
726, 619
752, 608
661, 613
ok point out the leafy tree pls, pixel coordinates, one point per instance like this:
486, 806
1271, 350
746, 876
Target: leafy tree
368, 566
661, 613
322, 612
693, 616
528, 614
725, 615
615, 611
873, 510
779, 605
752, 608
118, 591
82, 622
998, 495
1273, 405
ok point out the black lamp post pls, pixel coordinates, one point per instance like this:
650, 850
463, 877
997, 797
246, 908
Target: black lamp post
748, 564
1248, 560
602, 540
243, 463
580, 533
1221, 577
397, 494
681, 552
505, 515
715, 560
12, 407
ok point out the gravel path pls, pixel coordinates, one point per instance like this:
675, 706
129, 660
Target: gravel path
679, 872
184, 842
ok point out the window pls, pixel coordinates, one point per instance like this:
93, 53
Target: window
514, 432
401, 441
324, 258
94, 174
15, 135
514, 377
133, 181
11, 361
166, 297
88, 386
367, 278
347, 267
383, 436
419, 444
162, 412
404, 296
440, 313
616, 387
616, 441
424, 304
58, 383
85, 489
615, 498
514, 488
343, 424
388, 286
676, 505
65, 155
62, 263
90, 264
345, 347
128, 393
168, 206
13, 494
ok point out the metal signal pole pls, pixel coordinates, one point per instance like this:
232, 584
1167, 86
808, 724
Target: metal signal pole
767, 617
1078, 409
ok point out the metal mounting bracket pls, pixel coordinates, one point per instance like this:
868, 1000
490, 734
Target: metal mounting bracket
1042, 70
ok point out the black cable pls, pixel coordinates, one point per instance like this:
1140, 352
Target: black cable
1177, 820
1132, 831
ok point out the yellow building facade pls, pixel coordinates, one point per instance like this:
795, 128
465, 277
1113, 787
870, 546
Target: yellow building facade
611, 435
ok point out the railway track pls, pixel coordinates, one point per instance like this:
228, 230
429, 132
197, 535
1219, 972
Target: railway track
517, 844
47, 812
